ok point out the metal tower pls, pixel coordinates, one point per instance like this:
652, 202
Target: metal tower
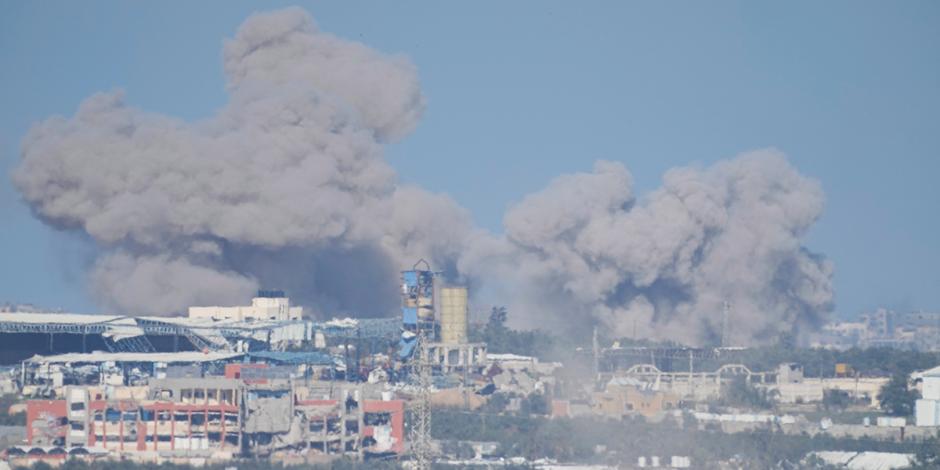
420, 432
725, 313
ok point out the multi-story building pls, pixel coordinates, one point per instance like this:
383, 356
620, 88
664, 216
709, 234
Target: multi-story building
214, 418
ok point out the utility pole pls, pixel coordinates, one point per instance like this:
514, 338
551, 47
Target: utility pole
420, 433
466, 379
725, 313
359, 352
596, 351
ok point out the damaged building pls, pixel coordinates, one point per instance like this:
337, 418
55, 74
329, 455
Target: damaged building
214, 418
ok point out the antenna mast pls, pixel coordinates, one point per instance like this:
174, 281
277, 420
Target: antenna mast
725, 313
595, 349
420, 432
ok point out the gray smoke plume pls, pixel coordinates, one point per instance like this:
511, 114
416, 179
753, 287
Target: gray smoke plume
662, 267
287, 179
286, 187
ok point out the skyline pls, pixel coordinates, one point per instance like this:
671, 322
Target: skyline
833, 128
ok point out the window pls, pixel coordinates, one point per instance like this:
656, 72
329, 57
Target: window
377, 419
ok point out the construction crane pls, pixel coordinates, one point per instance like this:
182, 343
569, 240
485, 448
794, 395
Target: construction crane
420, 432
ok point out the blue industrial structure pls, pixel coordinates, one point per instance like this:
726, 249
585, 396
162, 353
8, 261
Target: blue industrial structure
417, 306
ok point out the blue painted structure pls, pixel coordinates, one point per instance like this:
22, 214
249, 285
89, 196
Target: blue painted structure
417, 306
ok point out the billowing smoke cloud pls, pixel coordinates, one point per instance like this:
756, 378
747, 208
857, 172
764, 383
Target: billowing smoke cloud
663, 266
286, 187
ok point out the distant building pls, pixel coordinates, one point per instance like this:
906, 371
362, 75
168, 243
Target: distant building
789, 373
792, 387
617, 401
881, 323
917, 330
268, 305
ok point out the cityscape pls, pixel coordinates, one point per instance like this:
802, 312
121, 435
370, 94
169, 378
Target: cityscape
262, 381
541, 235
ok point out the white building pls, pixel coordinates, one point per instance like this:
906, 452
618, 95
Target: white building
927, 409
269, 305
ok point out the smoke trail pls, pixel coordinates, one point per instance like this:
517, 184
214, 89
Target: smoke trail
286, 186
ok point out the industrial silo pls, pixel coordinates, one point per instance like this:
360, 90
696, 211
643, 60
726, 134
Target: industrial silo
453, 303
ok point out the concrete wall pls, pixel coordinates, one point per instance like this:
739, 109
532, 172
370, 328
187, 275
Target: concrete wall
927, 412
930, 388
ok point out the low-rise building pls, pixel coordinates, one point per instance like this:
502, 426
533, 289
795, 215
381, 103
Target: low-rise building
810, 390
619, 400
268, 306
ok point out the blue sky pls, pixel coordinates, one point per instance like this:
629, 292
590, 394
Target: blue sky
520, 92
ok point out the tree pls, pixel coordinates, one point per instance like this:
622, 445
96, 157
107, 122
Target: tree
895, 396
738, 392
502, 339
496, 333
496, 403
498, 317
836, 400
6, 419
534, 404
927, 455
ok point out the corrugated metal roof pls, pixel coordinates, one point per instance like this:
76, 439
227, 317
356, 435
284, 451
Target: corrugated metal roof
98, 357
294, 357
202, 324
76, 318
866, 460
880, 461
490, 357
